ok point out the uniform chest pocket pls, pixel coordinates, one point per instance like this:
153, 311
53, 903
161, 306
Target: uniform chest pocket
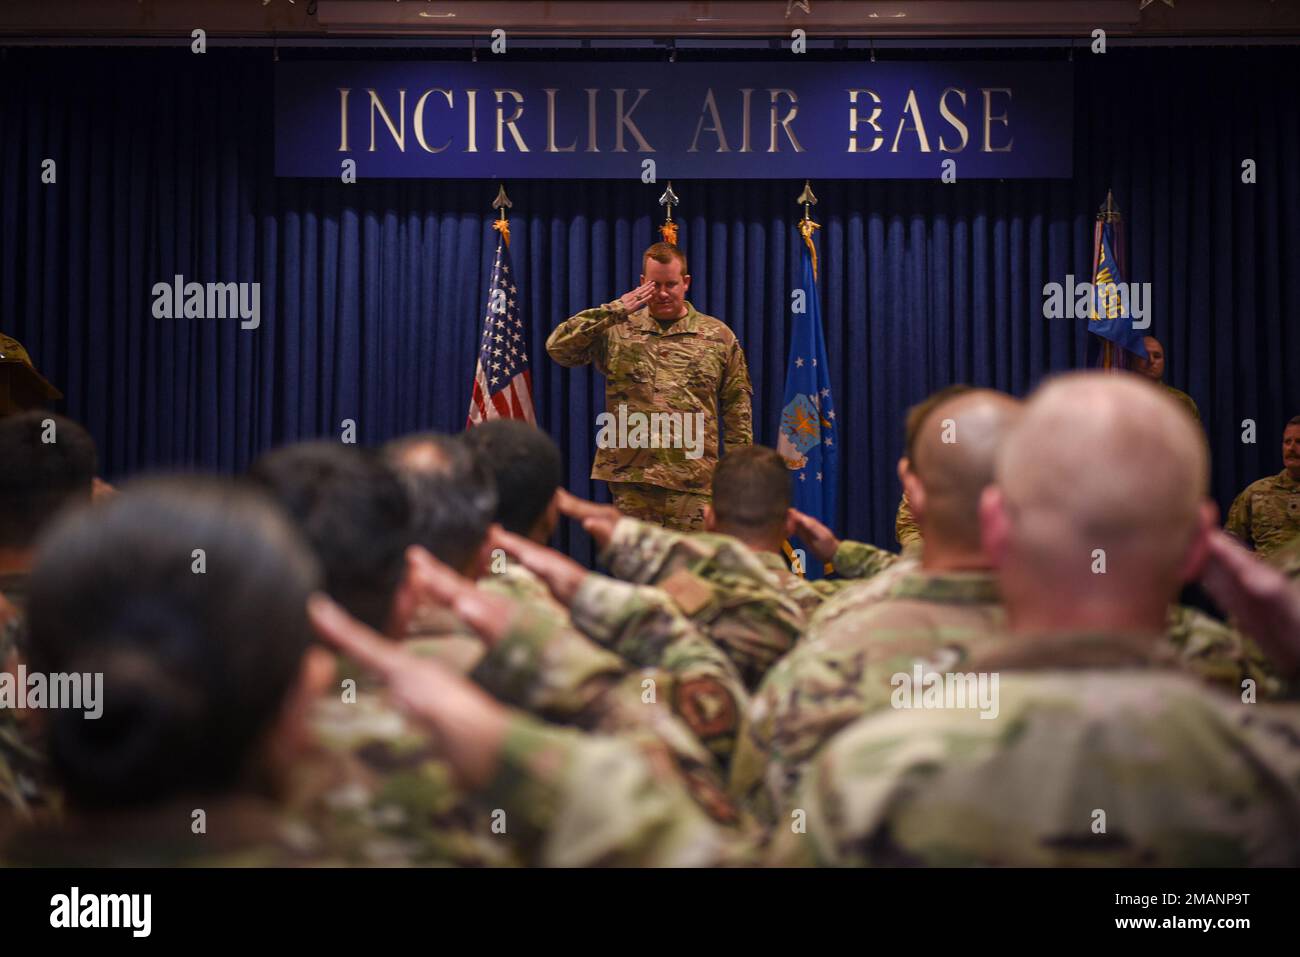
694, 364
629, 360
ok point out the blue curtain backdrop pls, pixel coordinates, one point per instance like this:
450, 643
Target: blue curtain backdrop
372, 292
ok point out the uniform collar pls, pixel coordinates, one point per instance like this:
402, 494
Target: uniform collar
949, 588
642, 321
1284, 480
1075, 650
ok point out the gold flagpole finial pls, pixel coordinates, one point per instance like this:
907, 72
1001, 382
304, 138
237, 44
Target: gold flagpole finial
501, 204
806, 225
1109, 212
668, 230
807, 198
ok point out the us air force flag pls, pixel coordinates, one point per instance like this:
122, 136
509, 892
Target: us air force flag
808, 438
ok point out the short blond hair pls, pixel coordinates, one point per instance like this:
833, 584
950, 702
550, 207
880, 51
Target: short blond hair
665, 253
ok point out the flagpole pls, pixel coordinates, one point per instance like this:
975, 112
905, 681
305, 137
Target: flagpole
806, 225
501, 204
1112, 358
668, 229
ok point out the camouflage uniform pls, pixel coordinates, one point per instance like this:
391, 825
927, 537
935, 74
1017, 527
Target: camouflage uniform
27, 792
1267, 513
1287, 558
241, 831
681, 511
859, 594
399, 802
826, 683
905, 528
861, 560
1184, 399
808, 595
843, 668
575, 800
1085, 724
693, 365
13, 605
381, 794
515, 581
1220, 654
627, 659
718, 582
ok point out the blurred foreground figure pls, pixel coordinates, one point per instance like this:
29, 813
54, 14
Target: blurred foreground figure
1072, 741
47, 463
189, 598
950, 604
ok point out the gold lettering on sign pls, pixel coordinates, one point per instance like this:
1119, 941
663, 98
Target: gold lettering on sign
503, 123
910, 107
550, 127
417, 120
376, 105
784, 122
591, 121
343, 119
472, 97
710, 107
957, 124
625, 122
745, 95
870, 121
989, 118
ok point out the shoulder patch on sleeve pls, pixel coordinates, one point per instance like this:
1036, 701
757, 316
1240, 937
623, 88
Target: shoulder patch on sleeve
691, 593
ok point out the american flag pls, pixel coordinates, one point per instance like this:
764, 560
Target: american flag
503, 381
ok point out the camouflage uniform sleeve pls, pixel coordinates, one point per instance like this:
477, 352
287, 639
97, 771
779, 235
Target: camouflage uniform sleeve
805, 699
718, 583
737, 394
1238, 523
544, 666
573, 800
27, 791
861, 560
580, 339
1287, 558
905, 527
647, 628
1220, 654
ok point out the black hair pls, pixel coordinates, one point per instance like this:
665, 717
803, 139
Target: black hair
526, 465
453, 497
198, 649
353, 511
46, 462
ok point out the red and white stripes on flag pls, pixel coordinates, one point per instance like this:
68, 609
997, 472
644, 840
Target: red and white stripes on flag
503, 380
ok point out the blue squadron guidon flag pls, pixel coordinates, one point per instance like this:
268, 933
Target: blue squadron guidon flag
503, 381
807, 438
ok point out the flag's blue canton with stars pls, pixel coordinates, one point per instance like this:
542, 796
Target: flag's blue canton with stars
503, 381
808, 437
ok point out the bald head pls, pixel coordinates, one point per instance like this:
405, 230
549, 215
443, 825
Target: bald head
952, 460
1101, 462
